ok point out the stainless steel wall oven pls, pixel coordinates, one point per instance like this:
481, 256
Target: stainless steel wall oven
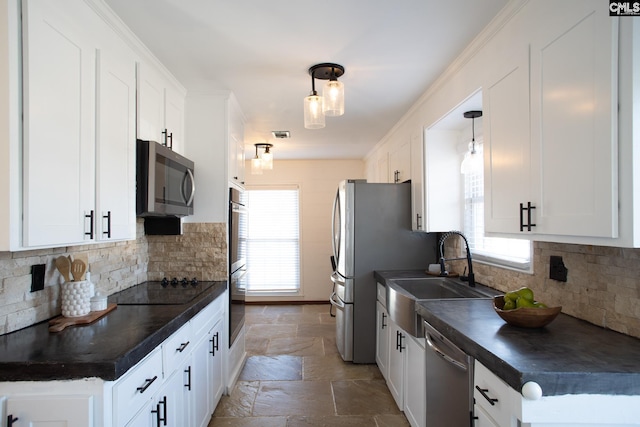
237, 261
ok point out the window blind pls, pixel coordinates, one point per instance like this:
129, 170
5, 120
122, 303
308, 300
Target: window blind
273, 240
513, 253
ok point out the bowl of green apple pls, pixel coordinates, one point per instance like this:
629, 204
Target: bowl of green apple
519, 308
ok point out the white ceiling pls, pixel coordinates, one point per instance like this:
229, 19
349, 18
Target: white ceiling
262, 50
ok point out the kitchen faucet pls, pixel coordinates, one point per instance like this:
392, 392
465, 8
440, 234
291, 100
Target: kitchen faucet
443, 271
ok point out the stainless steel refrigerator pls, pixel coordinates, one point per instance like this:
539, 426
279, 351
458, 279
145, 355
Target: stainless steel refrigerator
371, 231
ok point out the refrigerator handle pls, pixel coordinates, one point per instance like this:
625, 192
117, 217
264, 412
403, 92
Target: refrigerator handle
336, 205
335, 301
337, 279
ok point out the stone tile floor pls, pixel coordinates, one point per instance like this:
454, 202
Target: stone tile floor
294, 376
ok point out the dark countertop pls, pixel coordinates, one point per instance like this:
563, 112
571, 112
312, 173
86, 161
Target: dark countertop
105, 349
568, 356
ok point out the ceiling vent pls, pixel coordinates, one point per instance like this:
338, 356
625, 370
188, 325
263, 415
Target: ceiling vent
281, 134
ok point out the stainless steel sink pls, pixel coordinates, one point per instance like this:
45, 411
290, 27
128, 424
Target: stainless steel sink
402, 295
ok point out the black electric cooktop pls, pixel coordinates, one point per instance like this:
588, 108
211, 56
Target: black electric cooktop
165, 292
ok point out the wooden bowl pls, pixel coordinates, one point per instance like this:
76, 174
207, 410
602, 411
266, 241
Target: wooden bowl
525, 317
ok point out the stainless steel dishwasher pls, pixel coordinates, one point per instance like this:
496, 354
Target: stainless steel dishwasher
449, 382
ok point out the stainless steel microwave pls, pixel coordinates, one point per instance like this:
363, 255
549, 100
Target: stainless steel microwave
165, 182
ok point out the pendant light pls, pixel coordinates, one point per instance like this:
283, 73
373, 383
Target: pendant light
333, 96
472, 162
264, 161
313, 117
331, 103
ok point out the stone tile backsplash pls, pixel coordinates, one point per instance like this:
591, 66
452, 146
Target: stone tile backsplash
200, 251
602, 287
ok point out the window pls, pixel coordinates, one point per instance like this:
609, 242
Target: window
273, 240
511, 253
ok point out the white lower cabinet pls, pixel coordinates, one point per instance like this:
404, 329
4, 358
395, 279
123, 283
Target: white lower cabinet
406, 376
178, 384
499, 405
207, 375
397, 357
382, 340
41, 411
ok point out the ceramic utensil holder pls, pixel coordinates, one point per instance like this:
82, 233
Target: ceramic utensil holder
76, 298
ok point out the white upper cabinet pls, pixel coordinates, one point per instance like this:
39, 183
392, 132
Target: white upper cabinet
400, 161
551, 129
507, 144
58, 102
574, 122
79, 108
236, 143
160, 109
417, 181
115, 146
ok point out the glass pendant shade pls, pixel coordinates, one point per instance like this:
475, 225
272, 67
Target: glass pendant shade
313, 117
256, 166
472, 162
333, 95
267, 160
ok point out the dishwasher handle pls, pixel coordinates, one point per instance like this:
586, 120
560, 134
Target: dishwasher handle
442, 354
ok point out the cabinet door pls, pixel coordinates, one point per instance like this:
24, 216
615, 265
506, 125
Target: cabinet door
415, 392
150, 105
417, 182
115, 157
507, 145
574, 122
174, 119
58, 103
397, 355
207, 381
382, 340
45, 411
400, 161
481, 418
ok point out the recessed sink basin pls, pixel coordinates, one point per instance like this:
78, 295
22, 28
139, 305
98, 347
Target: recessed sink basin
402, 295
437, 288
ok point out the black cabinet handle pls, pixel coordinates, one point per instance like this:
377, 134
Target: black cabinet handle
164, 133
419, 221
161, 418
483, 392
108, 218
170, 137
402, 347
384, 317
146, 384
90, 232
182, 347
528, 208
188, 372
11, 420
215, 341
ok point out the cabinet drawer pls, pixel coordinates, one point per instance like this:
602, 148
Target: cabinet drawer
176, 348
136, 387
203, 321
493, 395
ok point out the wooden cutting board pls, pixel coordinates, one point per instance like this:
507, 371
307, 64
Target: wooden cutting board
59, 323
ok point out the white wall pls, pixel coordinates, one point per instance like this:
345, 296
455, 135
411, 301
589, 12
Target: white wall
318, 181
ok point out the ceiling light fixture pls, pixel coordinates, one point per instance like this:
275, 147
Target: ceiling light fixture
263, 161
472, 161
331, 103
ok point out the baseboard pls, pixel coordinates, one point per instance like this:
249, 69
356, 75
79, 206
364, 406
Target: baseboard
286, 302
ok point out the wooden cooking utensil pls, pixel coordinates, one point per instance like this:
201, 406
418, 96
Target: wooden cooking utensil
85, 258
64, 267
78, 268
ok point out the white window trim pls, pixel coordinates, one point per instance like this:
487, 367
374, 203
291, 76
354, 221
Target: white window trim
485, 258
283, 293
